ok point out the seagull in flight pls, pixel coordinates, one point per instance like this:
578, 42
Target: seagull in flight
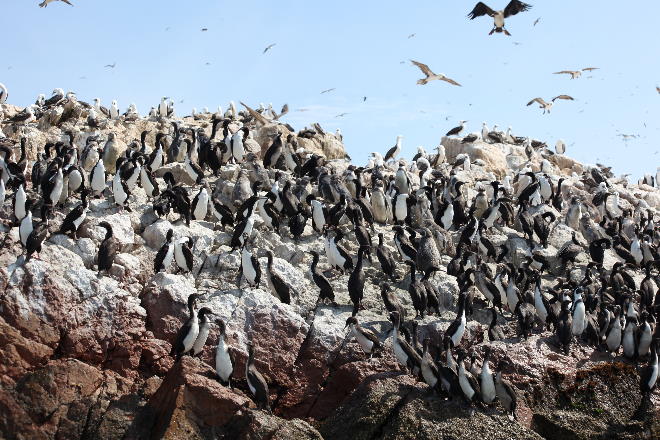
328, 90
411, 36
112, 66
430, 76
341, 115
547, 106
364, 98
575, 73
205, 29
270, 46
537, 21
44, 3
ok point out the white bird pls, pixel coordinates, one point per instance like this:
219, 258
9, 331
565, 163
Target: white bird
575, 73
514, 7
45, 3
484, 131
430, 76
560, 147
3, 93
162, 107
114, 110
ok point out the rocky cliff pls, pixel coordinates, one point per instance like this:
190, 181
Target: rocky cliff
86, 355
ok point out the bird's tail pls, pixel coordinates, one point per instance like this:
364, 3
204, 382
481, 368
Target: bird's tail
43, 4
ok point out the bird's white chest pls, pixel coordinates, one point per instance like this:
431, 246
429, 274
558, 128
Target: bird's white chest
198, 346
223, 365
428, 375
168, 256
458, 335
26, 228
202, 205
487, 385
191, 337
98, 176
364, 342
499, 19
248, 270
465, 384
78, 221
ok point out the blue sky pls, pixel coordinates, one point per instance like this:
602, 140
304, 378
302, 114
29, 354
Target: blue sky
357, 48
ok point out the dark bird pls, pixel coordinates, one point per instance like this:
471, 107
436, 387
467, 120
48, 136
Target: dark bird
269, 47
112, 66
256, 382
513, 8
107, 249
327, 90
327, 293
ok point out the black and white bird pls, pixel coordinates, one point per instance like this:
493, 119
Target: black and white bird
513, 8
3, 93
224, 359
165, 254
187, 335
547, 106
393, 152
456, 131
183, 254
430, 76
204, 328
366, 338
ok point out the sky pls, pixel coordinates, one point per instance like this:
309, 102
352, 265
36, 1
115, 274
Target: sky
361, 49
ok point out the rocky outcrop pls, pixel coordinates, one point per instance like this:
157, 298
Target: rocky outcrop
86, 355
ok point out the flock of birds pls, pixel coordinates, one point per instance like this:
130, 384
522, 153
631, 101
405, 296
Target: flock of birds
424, 203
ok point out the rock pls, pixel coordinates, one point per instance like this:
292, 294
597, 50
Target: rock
492, 154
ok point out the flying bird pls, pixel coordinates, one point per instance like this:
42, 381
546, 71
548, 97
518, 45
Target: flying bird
575, 73
364, 98
45, 3
430, 76
112, 66
547, 106
341, 115
205, 29
657, 88
514, 7
269, 47
327, 90
537, 21
411, 35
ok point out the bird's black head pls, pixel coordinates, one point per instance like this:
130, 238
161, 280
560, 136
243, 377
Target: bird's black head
204, 311
351, 320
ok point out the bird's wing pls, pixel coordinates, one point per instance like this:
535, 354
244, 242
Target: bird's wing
570, 72
68, 2
589, 69
423, 67
479, 10
450, 81
255, 114
514, 7
539, 100
285, 110
657, 88
570, 98
370, 335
